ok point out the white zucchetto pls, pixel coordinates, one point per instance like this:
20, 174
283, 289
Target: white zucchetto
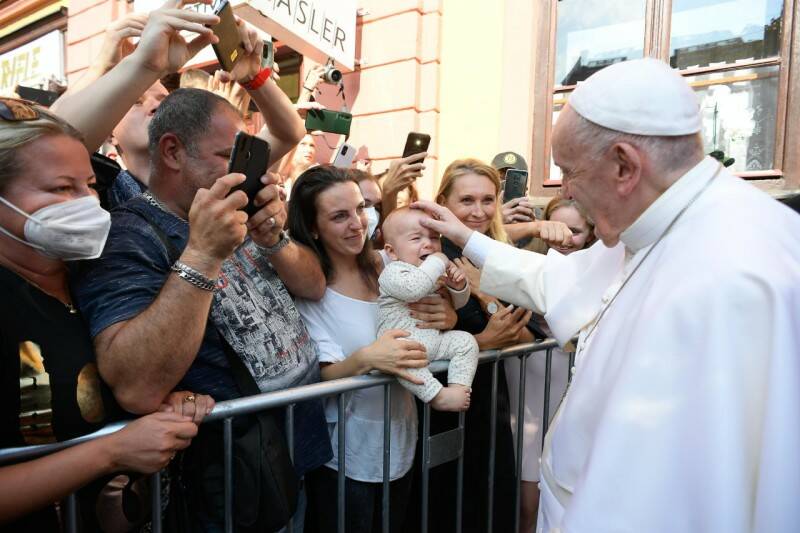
641, 97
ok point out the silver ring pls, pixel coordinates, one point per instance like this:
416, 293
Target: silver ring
271, 221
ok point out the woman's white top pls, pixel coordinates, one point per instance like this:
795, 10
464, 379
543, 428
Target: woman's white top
341, 325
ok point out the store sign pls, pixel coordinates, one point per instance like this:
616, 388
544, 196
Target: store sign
319, 28
32, 64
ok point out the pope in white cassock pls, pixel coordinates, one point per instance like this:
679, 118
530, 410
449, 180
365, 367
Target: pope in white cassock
684, 410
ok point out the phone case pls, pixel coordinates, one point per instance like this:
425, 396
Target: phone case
230, 48
344, 156
329, 121
516, 184
416, 143
250, 156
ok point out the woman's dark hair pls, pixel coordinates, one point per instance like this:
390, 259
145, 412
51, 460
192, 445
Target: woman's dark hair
303, 218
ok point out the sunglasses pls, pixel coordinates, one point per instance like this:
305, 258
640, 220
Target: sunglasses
15, 110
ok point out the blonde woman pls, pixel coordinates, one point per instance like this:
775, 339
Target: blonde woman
471, 190
50, 386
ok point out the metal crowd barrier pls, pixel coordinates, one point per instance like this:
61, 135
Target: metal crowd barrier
436, 449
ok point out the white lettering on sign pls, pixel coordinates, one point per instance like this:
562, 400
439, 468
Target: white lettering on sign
327, 25
32, 64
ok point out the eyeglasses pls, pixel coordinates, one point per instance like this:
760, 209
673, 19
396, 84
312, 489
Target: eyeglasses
16, 110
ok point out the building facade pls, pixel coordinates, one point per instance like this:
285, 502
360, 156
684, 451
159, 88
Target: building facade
483, 77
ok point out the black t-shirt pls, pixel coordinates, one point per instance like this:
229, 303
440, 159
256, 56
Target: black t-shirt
50, 388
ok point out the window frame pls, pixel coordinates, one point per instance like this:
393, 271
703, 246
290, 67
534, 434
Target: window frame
658, 19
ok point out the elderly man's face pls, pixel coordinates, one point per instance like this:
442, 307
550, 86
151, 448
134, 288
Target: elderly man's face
588, 182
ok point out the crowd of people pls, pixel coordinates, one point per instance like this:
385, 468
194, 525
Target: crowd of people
169, 297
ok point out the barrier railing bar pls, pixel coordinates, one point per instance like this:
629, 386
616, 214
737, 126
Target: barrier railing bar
290, 445
71, 513
492, 449
269, 400
155, 502
523, 361
387, 451
341, 478
228, 453
426, 455
460, 475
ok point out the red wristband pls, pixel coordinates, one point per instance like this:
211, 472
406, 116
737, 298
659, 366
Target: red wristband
259, 79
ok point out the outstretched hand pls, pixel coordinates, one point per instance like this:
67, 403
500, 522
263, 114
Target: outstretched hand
444, 222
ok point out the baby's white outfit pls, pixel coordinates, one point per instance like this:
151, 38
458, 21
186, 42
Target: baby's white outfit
402, 283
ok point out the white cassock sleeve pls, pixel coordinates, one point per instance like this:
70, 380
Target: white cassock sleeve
701, 432
543, 282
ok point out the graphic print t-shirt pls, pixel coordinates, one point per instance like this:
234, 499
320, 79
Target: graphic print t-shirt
50, 387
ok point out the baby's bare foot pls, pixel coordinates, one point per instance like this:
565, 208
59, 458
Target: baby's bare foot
452, 398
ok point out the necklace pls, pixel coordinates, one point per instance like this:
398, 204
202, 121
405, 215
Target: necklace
155, 202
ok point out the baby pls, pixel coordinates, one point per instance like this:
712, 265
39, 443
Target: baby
414, 273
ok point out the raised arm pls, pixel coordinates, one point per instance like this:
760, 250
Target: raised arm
116, 45
283, 127
97, 109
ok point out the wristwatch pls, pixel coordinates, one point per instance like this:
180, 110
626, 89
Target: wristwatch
278, 246
492, 308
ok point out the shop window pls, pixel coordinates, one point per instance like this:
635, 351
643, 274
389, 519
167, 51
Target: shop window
734, 53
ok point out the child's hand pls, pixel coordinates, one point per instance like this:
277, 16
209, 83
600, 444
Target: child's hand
456, 279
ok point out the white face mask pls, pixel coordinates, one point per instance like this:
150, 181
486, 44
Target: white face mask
71, 230
372, 221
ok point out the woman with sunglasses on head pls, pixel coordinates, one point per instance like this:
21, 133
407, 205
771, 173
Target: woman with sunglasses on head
50, 217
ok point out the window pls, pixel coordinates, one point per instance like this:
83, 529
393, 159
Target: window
734, 53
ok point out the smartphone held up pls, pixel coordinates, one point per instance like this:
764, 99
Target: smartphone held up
250, 156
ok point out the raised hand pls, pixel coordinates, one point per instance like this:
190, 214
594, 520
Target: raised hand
518, 210
403, 173
216, 224
162, 49
117, 40
229, 90
266, 224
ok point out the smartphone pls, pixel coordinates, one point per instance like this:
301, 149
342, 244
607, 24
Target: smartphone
416, 143
344, 156
250, 156
40, 96
329, 121
268, 55
230, 47
516, 184
105, 171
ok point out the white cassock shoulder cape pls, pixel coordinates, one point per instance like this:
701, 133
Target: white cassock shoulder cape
684, 411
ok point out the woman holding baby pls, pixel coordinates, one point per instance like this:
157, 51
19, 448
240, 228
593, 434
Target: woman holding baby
327, 214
